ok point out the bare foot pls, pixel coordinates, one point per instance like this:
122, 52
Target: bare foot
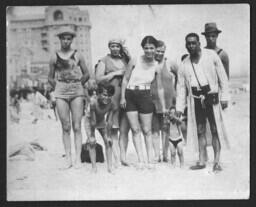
140, 166
66, 166
172, 165
117, 164
94, 170
151, 166
111, 171
78, 165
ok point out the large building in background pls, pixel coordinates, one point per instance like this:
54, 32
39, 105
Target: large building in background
32, 39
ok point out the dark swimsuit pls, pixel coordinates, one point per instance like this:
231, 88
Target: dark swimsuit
175, 142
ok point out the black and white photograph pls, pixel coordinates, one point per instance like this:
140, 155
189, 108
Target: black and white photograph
128, 102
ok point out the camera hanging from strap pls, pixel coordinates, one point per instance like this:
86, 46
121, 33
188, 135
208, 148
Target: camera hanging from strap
195, 74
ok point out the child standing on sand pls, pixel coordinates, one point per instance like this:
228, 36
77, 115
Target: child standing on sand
175, 137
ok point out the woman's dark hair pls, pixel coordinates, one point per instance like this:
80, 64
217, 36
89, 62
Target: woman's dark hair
125, 54
148, 40
107, 86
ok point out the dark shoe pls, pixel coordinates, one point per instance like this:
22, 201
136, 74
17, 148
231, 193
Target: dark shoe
197, 167
217, 167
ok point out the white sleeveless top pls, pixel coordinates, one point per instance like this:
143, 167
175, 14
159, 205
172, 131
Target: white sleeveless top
143, 73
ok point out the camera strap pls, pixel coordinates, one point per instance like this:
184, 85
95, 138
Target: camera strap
201, 97
195, 74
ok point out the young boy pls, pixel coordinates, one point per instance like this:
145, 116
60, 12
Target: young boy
99, 116
175, 137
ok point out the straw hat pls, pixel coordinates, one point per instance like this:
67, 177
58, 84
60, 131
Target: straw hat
66, 31
210, 27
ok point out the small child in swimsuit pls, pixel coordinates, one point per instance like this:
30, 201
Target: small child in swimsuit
99, 116
175, 137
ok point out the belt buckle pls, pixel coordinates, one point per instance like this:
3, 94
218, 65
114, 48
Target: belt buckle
136, 87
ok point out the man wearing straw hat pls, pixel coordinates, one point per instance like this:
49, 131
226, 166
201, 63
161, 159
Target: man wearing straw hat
211, 34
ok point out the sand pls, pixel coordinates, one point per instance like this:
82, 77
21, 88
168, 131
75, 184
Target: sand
42, 180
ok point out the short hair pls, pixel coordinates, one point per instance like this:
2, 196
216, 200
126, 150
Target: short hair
107, 86
148, 40
192, 35
160, 43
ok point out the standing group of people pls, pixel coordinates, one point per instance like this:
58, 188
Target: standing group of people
148, 95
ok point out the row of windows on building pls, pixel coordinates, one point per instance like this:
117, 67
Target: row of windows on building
58, 16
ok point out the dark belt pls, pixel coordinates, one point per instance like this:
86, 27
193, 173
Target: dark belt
69, 81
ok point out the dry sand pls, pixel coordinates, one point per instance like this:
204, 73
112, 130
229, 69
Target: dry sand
42, 180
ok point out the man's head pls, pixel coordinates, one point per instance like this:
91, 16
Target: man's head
192, 43
160, 50
66, 36
211, 34
211, 39
105, 92
66, 41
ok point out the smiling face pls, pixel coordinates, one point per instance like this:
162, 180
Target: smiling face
115, 49
149, 50
211, 39
192, 45
104, 97
160, 53
66, 41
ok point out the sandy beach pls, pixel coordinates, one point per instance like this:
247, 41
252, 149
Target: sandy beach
41, 179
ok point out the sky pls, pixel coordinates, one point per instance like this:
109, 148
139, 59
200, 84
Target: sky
170, 23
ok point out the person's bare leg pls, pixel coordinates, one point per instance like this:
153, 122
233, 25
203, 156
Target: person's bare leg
92, 154
55, 113
77, 106
115, 146
123, 140
146, 125
64, 116
133, 118
156, 137
173, 154
91, 142
165, 144
216, 148
108, 149
156, 145
202, 148
180, 154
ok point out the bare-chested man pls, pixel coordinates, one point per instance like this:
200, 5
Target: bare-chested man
211, 34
